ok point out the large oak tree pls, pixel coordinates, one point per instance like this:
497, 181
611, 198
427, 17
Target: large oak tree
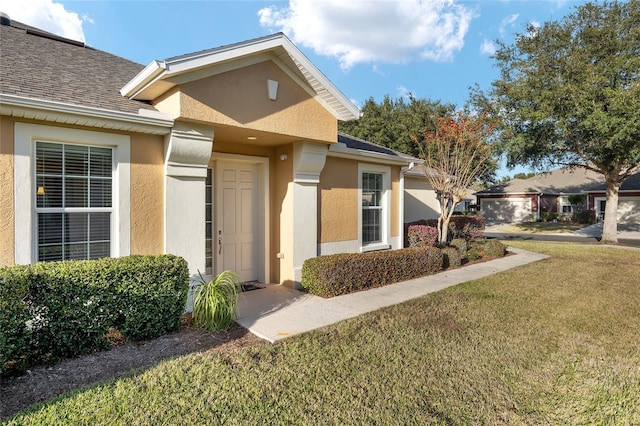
569, 95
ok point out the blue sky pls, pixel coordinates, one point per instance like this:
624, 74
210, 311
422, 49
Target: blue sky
367, 48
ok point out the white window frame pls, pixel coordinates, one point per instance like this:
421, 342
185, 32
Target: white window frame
385, 217
25, 137
564, 202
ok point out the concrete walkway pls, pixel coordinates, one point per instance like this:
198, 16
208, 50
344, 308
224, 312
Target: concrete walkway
277, 311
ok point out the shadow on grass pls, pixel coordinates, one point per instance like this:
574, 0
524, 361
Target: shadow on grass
44, 383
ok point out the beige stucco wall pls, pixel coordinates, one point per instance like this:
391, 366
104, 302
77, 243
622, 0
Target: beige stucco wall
239, 98
338, 201
282, 215
7, 242
147, 194
419, 200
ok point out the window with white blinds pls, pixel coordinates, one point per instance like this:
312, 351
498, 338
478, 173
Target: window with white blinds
74, 207
372, 206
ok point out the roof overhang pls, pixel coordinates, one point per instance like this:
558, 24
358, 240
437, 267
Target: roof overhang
160, 76
146, 121
341, 150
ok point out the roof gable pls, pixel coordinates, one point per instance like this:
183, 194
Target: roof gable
160, 76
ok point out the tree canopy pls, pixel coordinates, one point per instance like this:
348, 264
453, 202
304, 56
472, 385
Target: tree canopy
401, 125
458, 152
569, 95
393, 122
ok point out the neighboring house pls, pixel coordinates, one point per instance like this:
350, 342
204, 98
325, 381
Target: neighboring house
522, 200
228, 157
420, 200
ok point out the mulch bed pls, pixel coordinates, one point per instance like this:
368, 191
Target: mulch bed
43, 383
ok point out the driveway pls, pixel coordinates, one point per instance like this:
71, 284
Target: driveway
627, 234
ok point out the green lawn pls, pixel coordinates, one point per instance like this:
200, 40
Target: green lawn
541, 227
553, 342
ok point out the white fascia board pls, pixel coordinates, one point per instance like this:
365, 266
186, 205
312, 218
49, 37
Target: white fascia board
352, 112
341, 151
59, 112
149, 74
203, 59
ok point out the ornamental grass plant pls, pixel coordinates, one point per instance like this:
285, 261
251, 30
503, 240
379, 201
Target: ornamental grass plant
216, 302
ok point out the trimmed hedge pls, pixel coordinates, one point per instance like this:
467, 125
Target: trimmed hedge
489, 248
422, 236
451, 257
54, 310
343, 273
460, 227
460, 244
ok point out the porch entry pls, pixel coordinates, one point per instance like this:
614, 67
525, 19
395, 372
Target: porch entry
236, 226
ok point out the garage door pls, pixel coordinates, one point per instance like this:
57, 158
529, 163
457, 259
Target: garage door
629, 210
506, 210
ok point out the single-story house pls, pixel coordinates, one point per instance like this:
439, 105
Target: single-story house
229, 157
520, 200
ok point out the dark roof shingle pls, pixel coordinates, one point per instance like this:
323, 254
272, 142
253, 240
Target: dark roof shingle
37, 66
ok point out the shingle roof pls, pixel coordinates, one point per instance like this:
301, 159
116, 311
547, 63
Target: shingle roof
360, 144
39, 65
559, 181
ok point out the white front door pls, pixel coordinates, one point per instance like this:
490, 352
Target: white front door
236, 214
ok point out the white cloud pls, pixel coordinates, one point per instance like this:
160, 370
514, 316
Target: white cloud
373, 31
508, 22
487, 47
46, 15
403, 92
376, 69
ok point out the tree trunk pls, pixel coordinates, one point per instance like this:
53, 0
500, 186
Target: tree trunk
610, 226
445, 230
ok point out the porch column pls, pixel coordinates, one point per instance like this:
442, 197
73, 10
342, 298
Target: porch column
308, 161
187, 153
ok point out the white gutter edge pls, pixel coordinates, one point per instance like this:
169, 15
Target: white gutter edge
144, 77
403, 170
146, 122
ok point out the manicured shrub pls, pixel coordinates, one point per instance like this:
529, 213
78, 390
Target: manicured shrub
548, 216
585, 217
14, 315
451, 257
460, 244
62, 309
488, 248
494, 248
465, 227
422, 236
337, 274
472, 254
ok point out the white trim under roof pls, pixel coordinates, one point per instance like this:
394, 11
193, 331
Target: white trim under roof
158, 72
146, 121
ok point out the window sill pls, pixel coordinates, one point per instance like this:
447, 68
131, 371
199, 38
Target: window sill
375, 247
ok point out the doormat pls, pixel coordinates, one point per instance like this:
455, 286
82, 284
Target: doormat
252, 285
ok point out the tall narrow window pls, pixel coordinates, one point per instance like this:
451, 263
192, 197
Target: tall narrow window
74, 204
208, 233
372, 207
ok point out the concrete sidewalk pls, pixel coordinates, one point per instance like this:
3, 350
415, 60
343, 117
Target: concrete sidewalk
277, 311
